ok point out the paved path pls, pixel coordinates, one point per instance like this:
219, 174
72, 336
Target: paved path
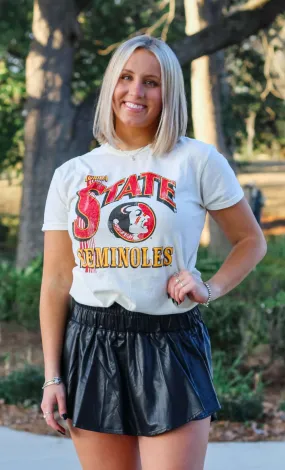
26, 451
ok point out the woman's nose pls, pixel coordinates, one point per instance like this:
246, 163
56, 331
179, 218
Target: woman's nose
136, 88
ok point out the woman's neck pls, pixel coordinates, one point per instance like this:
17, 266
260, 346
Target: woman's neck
132, 138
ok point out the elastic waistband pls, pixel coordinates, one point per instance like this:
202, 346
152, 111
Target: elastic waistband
118, 318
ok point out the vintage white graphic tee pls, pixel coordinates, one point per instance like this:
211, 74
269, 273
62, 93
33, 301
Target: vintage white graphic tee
134, 223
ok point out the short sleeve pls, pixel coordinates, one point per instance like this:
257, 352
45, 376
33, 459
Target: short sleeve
56, 214
220, 187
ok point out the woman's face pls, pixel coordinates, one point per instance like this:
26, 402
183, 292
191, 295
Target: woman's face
137, 100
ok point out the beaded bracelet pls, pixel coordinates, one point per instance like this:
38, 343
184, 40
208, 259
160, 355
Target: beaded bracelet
55, 380
210, 294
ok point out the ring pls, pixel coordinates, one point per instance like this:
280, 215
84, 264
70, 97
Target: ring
181, 283
46, 414
177, 280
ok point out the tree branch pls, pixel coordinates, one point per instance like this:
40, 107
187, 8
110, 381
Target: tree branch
170, 18
229, 30
148, 31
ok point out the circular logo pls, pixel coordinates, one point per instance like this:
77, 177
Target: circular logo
133, 222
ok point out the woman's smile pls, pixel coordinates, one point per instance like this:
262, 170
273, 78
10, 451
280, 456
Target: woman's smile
134, 107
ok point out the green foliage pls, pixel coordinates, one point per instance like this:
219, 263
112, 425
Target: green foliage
241, 409
20, 293
12, 97
8, 283
15, 27
23, 386
228, 380
28, 294
245, 64
282, 406
254, 312
9, 229
239, 399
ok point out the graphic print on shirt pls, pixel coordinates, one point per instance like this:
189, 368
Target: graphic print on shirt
133, 222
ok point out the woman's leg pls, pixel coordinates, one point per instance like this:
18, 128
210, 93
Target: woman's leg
183, 448
101, 451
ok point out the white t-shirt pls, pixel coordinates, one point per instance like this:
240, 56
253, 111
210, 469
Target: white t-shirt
134, 223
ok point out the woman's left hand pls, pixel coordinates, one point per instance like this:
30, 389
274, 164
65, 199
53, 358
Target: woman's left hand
184, 283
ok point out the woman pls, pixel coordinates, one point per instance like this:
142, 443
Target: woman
129, 364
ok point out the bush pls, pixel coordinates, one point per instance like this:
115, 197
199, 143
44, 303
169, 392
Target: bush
282, 406
28, 294
240, 409
254, 312
20, 293
8, 287
240, 399
23, 386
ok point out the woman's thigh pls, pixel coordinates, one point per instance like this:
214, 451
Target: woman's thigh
184, 448
98, 451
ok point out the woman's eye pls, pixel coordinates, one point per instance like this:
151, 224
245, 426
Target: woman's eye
150, 83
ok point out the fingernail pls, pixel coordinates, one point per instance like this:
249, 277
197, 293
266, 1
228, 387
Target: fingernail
174, 301
169, 296
63, 433
64, 416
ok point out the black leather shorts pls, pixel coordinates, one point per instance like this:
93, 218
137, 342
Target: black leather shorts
136, 374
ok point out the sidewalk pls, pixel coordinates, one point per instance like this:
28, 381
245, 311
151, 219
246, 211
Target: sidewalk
26, 451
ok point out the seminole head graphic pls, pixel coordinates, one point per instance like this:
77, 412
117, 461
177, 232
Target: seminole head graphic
133, 222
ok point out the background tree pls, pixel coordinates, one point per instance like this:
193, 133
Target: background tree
206, 99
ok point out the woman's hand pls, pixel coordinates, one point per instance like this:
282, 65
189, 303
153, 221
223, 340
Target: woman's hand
54, 394
184, 283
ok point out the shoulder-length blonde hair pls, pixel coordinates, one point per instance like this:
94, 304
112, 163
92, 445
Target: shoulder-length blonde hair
173, 119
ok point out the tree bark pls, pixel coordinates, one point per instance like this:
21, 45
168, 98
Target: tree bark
206, 102
250, 130
52, 123
205, 80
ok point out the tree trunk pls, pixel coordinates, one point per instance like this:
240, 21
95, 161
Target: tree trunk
206, 107
52, 122
205, 87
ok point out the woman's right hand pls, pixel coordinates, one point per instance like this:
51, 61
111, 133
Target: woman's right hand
54, 395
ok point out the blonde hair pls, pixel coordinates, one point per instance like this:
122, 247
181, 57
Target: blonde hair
173, 119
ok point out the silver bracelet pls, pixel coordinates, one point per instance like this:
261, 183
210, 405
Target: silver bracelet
55, 380
210, 294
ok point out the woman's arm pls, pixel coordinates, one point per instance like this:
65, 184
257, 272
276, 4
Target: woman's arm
249, 247
54, 300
